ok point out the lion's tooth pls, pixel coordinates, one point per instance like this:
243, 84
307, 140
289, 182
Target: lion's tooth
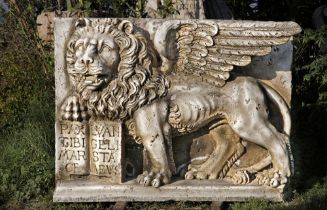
88, 82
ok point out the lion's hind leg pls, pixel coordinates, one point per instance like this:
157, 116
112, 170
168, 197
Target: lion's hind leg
249, 118
263, 133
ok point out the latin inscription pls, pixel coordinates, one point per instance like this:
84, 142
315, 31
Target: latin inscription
73, 148
106, 150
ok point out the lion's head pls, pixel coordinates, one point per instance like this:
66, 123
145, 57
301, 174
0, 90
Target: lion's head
110, 65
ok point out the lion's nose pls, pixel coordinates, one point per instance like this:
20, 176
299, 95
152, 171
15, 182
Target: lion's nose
86, 60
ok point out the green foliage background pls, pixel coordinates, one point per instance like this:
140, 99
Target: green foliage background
27, 102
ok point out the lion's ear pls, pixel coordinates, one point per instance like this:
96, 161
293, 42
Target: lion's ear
82, 22
126, 26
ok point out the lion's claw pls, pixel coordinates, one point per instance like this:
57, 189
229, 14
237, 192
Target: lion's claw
193, 174
147, 181
201, 175
73, 109
140, 179
241, 177
155, 182
189, 175
153, 179
271, 178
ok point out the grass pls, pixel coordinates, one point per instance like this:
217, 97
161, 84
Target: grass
314, 198
27, 155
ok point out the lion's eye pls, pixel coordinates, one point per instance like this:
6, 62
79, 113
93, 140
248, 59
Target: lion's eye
79, 46
104, 48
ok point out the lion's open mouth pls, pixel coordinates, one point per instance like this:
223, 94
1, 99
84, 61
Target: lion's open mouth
94, 82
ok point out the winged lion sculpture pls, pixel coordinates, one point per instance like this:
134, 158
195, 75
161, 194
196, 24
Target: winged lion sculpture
176, 80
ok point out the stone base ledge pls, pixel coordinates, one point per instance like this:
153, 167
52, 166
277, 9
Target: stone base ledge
179, 190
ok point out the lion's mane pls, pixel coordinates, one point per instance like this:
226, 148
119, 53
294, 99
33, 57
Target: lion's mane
135, 85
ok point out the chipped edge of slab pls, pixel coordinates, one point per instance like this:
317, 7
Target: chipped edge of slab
183, 190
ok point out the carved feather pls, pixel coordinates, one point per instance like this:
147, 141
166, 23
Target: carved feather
211, 48
231, 50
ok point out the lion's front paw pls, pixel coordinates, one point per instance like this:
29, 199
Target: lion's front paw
153, 179
74, 110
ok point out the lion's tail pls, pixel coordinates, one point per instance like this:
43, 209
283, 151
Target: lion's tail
283, 107
285, 112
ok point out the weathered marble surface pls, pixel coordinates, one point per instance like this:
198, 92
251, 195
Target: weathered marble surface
181, 190
191, 91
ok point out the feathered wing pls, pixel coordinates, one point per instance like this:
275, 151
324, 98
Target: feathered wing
212, 48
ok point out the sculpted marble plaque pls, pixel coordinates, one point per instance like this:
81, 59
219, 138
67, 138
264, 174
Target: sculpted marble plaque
176, 88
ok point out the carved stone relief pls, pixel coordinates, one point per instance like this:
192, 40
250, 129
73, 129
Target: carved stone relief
171, 86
